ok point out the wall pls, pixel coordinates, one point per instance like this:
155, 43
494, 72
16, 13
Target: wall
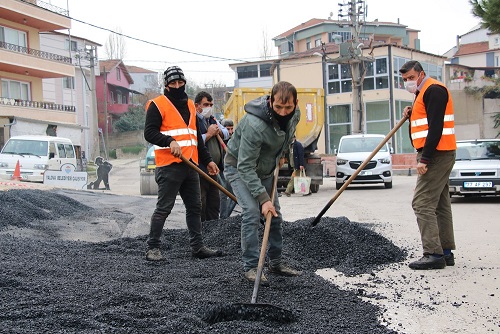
125, 139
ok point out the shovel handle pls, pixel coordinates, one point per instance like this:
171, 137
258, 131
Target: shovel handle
208, 178
265, 238
358, 170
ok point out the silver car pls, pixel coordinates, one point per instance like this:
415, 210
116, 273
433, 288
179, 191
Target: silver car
477, 168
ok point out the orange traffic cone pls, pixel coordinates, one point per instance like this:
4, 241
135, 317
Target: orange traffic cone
17, 172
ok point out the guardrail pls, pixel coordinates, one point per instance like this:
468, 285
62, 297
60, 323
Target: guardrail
36, 104
34, 52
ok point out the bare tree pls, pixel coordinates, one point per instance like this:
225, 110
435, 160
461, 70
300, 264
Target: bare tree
115, 47
266, 50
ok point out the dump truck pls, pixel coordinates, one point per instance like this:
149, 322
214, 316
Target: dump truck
312, 119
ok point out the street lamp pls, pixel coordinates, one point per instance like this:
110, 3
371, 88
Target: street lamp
325, 91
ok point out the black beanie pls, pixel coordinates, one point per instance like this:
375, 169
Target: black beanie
173, 73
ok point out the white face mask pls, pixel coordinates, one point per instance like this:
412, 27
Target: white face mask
206, 112
411, 86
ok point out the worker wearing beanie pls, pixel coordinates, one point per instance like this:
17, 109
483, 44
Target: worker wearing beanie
171, 125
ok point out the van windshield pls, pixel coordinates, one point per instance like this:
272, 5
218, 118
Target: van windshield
360, 144
26, 147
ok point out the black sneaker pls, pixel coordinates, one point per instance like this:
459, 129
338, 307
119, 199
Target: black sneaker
428, 262
205, 252
450, 259
284, 270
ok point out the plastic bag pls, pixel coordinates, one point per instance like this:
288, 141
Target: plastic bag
302, 183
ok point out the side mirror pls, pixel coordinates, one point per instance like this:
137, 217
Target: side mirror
51, 155
335, 151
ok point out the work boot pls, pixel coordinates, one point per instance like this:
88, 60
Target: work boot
154, 254
284, 270
428, 262
251, 275
450, 259
205, 252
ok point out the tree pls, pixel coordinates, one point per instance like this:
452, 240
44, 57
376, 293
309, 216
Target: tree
266, 50
115, 47
132, 120
489, 13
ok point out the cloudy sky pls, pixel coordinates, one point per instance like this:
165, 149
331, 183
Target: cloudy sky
203, 37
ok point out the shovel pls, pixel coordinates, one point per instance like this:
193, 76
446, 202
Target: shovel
254, 311
357, 171
208, 178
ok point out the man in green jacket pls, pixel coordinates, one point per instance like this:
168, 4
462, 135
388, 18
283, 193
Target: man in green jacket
253, 153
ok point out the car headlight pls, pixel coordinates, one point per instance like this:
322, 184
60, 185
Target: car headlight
385, 161
3, 164
341, 161
40, 166
454, 173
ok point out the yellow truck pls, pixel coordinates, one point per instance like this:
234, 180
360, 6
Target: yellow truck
312, 120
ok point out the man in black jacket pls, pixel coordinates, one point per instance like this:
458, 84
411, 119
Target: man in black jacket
296, 162
171, 125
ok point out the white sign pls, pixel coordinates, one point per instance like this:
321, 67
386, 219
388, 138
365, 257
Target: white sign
66, 178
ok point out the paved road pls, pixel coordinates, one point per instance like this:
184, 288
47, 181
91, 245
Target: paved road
460, 299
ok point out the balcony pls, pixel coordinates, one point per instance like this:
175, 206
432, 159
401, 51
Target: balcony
27, 61
37, 14
42, 111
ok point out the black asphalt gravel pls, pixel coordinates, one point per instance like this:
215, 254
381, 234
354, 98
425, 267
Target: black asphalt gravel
49, 285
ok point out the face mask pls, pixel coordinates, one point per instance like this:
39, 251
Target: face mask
206, 112
177, 93
411, 86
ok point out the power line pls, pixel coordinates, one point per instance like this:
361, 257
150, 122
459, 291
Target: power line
156, 44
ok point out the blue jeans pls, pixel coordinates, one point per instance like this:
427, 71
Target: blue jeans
173, 179
251, 213
227, 205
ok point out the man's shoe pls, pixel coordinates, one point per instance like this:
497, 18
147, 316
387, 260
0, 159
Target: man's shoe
205, 252
309, 193
251, 275
284, 270
287, 194
428, 262
154, 254
450, 259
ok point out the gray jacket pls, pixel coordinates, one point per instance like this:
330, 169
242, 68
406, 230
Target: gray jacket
257, 145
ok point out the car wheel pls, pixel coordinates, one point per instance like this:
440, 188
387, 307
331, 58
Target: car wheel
388, 185
314, 188
338, 185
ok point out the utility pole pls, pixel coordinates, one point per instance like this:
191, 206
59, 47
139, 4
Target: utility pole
94, 129
350, 53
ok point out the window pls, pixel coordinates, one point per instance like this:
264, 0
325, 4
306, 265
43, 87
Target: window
403, 143
339, 36
69, 82
16, 90
247, 72
308, 45
378, 117
13, 36
265, 70
317, 42
339, 124
74, 45
118, 74
431, 70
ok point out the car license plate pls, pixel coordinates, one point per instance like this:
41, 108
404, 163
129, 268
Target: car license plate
364, 172
478, 184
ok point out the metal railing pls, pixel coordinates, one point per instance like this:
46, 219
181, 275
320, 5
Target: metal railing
47, 6
36, 104
34, 52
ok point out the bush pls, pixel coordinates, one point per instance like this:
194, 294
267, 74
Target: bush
132, 149
112, 153
132, 120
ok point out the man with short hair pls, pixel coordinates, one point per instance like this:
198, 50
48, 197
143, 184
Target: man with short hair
213, 134
171, 125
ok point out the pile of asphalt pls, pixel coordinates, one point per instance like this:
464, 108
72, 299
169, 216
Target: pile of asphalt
55, 286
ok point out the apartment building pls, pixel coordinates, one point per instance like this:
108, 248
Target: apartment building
24, 66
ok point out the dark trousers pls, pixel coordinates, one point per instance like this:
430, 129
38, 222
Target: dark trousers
210, 200
173, 179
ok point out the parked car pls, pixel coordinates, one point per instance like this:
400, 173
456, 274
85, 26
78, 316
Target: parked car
477, 168
353, 151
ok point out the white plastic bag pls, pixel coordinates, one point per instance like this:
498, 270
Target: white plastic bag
302, 183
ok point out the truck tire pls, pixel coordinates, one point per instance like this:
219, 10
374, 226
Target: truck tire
148, 184
314, 188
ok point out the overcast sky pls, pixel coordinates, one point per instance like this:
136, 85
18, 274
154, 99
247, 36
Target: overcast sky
203, 37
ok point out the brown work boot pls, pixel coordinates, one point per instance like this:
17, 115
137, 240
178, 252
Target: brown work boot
284, 270
205, 252
154, 254
251, 275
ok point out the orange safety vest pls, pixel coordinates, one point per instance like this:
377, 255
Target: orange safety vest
173, 125
420, 127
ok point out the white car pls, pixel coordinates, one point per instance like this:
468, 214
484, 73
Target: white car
477, 168
354, 150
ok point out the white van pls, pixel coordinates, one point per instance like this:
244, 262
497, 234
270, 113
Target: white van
35, 155
353, 151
